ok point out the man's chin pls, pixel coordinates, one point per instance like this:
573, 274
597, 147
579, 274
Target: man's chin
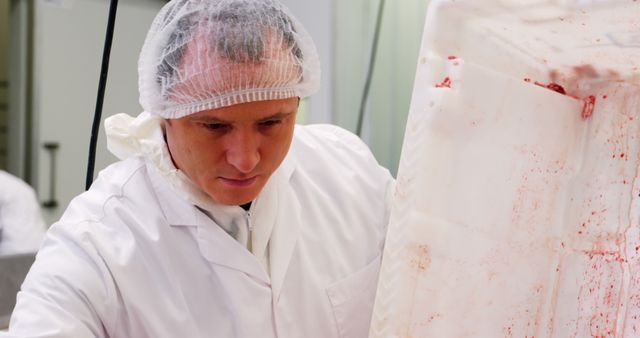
235, 197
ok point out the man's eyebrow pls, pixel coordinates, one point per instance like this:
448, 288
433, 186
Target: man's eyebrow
216, 120
276, 116
210, 120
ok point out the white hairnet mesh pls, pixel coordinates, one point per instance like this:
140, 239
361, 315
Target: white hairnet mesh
207, 54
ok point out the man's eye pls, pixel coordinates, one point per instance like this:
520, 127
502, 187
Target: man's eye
270, 123
215, 126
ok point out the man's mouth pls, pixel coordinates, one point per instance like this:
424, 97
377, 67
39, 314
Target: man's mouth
242, 182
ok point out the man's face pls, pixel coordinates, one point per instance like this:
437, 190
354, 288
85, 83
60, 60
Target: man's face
231, 152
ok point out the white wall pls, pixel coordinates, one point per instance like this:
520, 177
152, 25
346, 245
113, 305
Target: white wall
69, 36
393, 76
317, 17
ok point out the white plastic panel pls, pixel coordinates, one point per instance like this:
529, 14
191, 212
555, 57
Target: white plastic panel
516, 209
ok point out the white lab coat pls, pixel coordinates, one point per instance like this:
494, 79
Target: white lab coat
21, 225
130, 258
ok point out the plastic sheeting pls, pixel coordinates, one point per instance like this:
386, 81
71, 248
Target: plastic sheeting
517, 206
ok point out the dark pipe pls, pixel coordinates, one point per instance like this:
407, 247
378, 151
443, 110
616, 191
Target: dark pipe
106, 53
372, 62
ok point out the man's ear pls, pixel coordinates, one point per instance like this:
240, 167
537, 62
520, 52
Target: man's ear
163, 126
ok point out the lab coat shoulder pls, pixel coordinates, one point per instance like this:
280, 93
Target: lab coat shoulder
335, 142
70, 289
341, 166
109, 187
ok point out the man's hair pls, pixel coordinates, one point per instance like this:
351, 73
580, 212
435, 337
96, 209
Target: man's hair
240, 34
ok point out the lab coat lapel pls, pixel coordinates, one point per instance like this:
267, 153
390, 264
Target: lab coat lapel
215, 245
177, 211
286, 231
264, 212
221, 249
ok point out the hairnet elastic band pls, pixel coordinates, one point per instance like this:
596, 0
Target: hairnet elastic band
253, 95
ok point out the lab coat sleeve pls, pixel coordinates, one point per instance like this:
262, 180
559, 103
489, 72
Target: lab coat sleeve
68, 291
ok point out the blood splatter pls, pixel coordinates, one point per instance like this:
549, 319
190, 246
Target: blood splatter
556, 88
552, 86
454, 59
589, 105
446, 83
421, 259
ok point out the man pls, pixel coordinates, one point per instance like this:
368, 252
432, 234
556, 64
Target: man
224, 219
21, 225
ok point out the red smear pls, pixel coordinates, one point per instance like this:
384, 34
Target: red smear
452, 57
556, 88
446, 83
585, 71
613, 74
553, 86
589, 104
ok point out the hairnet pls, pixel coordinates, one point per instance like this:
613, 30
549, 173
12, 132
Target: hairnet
207, 54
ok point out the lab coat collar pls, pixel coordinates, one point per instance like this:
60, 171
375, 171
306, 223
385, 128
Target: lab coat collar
174, 206
214, 243
177, 210
271, 214
219, 247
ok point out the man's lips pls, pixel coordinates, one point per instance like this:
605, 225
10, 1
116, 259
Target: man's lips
243, 182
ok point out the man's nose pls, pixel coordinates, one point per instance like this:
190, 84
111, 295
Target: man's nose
243, 154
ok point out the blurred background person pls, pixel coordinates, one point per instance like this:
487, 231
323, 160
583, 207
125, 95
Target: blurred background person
21, 225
